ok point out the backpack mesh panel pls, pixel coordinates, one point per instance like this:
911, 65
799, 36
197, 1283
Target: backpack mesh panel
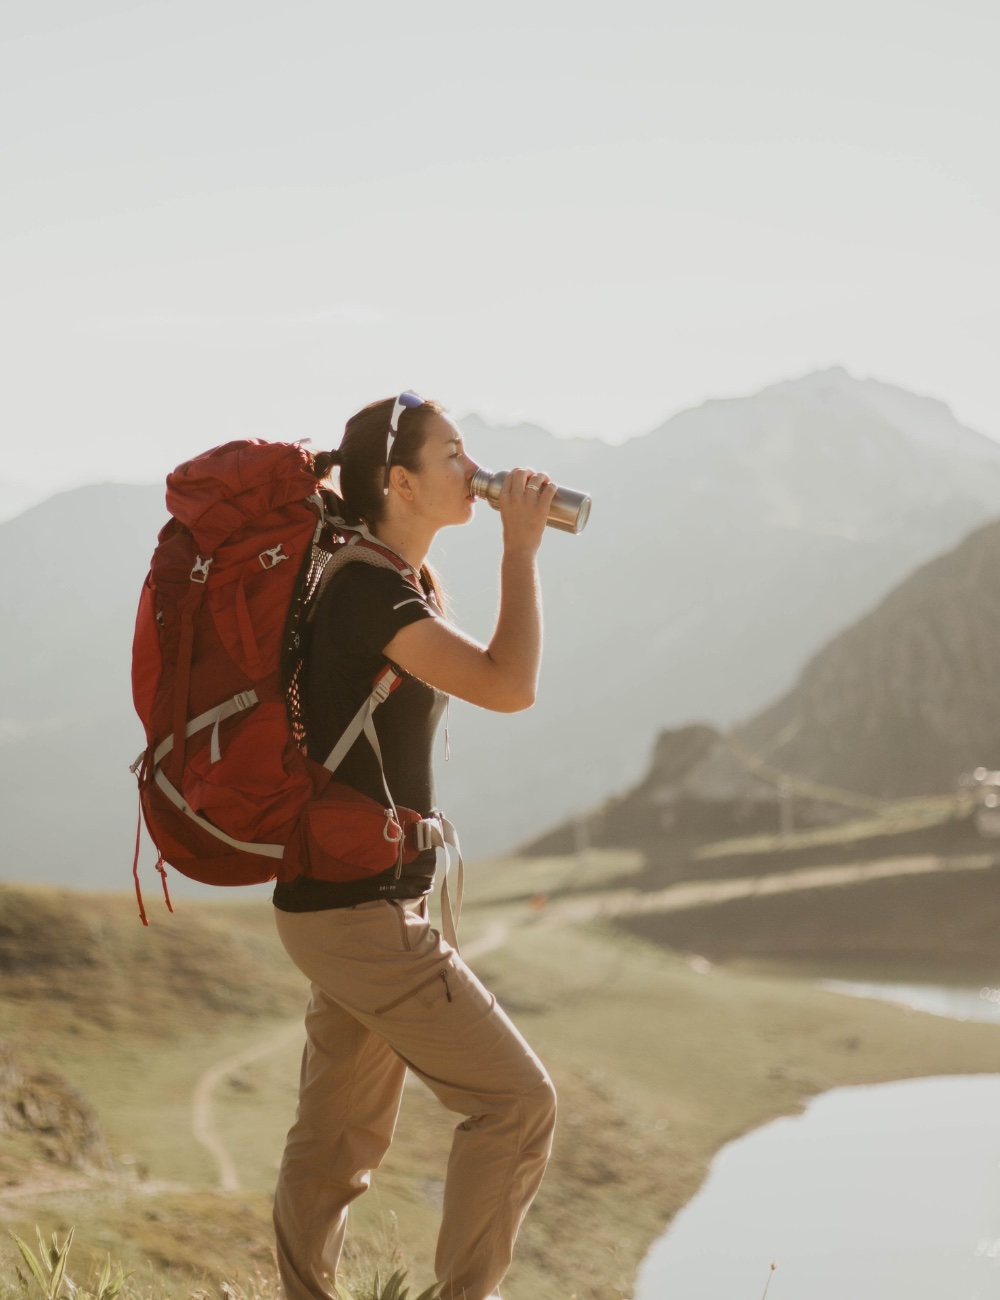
295, 645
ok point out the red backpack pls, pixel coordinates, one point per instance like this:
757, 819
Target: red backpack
227, 791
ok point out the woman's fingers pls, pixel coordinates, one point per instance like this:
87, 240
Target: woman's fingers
524, 507
522, 481
516, 482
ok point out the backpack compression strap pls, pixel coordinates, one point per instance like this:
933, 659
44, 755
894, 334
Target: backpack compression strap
210, 718
213, 718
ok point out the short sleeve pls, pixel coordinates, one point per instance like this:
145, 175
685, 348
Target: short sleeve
377, 603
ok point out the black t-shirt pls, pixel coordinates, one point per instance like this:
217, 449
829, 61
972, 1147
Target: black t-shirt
359, 612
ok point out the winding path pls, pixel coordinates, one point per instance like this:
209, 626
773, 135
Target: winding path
202, 1124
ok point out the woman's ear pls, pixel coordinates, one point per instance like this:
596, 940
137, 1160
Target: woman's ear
399, 478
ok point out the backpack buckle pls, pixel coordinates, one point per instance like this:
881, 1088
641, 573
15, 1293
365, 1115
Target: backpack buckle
200, 571
423, 834
274, 555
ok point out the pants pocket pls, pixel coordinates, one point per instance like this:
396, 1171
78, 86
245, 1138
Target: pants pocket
429, 992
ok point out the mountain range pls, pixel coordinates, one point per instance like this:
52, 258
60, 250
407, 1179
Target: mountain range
724, 550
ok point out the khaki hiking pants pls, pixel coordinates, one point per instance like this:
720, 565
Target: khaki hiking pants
389, 993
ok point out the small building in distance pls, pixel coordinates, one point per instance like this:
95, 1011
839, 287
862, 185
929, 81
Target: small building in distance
984, 787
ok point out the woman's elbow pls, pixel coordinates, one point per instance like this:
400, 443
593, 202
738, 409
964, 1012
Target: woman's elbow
516, 701
505, 690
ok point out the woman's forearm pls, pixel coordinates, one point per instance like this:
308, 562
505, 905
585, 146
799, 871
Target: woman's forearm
516, 645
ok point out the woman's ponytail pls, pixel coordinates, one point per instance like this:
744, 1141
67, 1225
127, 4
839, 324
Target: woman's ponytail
324, 461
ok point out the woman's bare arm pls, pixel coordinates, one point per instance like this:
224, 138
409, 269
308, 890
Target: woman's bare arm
502, 676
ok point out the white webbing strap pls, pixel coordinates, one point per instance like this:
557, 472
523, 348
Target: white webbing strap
370, 732
178, 800
364, 722
380, 693
437, 832
210, 718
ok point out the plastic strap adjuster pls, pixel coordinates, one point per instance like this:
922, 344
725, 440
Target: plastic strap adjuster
201, 567
423, 835
382, 688
272, 556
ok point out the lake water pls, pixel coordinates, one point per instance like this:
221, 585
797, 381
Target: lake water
956, 1003
889, 1192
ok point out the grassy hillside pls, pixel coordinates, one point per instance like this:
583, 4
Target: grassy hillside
85, 959
658, 1060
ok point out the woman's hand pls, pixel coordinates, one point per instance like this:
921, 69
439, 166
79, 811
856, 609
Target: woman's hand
524, 506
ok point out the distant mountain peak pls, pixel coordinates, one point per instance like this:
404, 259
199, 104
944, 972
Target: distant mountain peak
924, 419
827, 377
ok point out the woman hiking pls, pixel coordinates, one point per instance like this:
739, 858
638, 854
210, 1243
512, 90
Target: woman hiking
388, 992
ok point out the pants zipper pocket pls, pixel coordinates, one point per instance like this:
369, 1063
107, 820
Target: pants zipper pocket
396, 1002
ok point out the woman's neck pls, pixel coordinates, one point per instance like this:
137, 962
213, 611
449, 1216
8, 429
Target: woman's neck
406, 538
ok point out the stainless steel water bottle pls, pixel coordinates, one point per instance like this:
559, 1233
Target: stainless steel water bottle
568, 511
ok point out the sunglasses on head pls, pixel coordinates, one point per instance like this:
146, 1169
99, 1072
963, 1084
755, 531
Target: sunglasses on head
407, 401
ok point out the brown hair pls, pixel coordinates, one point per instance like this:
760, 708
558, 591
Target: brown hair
362, 460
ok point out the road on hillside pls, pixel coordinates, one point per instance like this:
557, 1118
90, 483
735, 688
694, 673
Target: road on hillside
676, 898
574, 911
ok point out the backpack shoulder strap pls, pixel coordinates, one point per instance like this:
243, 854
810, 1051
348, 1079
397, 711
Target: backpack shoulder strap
359, 545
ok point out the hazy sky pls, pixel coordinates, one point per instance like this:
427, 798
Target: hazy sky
229, 217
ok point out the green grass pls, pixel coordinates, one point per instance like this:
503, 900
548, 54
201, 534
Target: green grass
50, 1270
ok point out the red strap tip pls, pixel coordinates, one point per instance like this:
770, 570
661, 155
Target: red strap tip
163, 878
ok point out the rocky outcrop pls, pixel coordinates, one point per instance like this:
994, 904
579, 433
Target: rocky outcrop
60, 1119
